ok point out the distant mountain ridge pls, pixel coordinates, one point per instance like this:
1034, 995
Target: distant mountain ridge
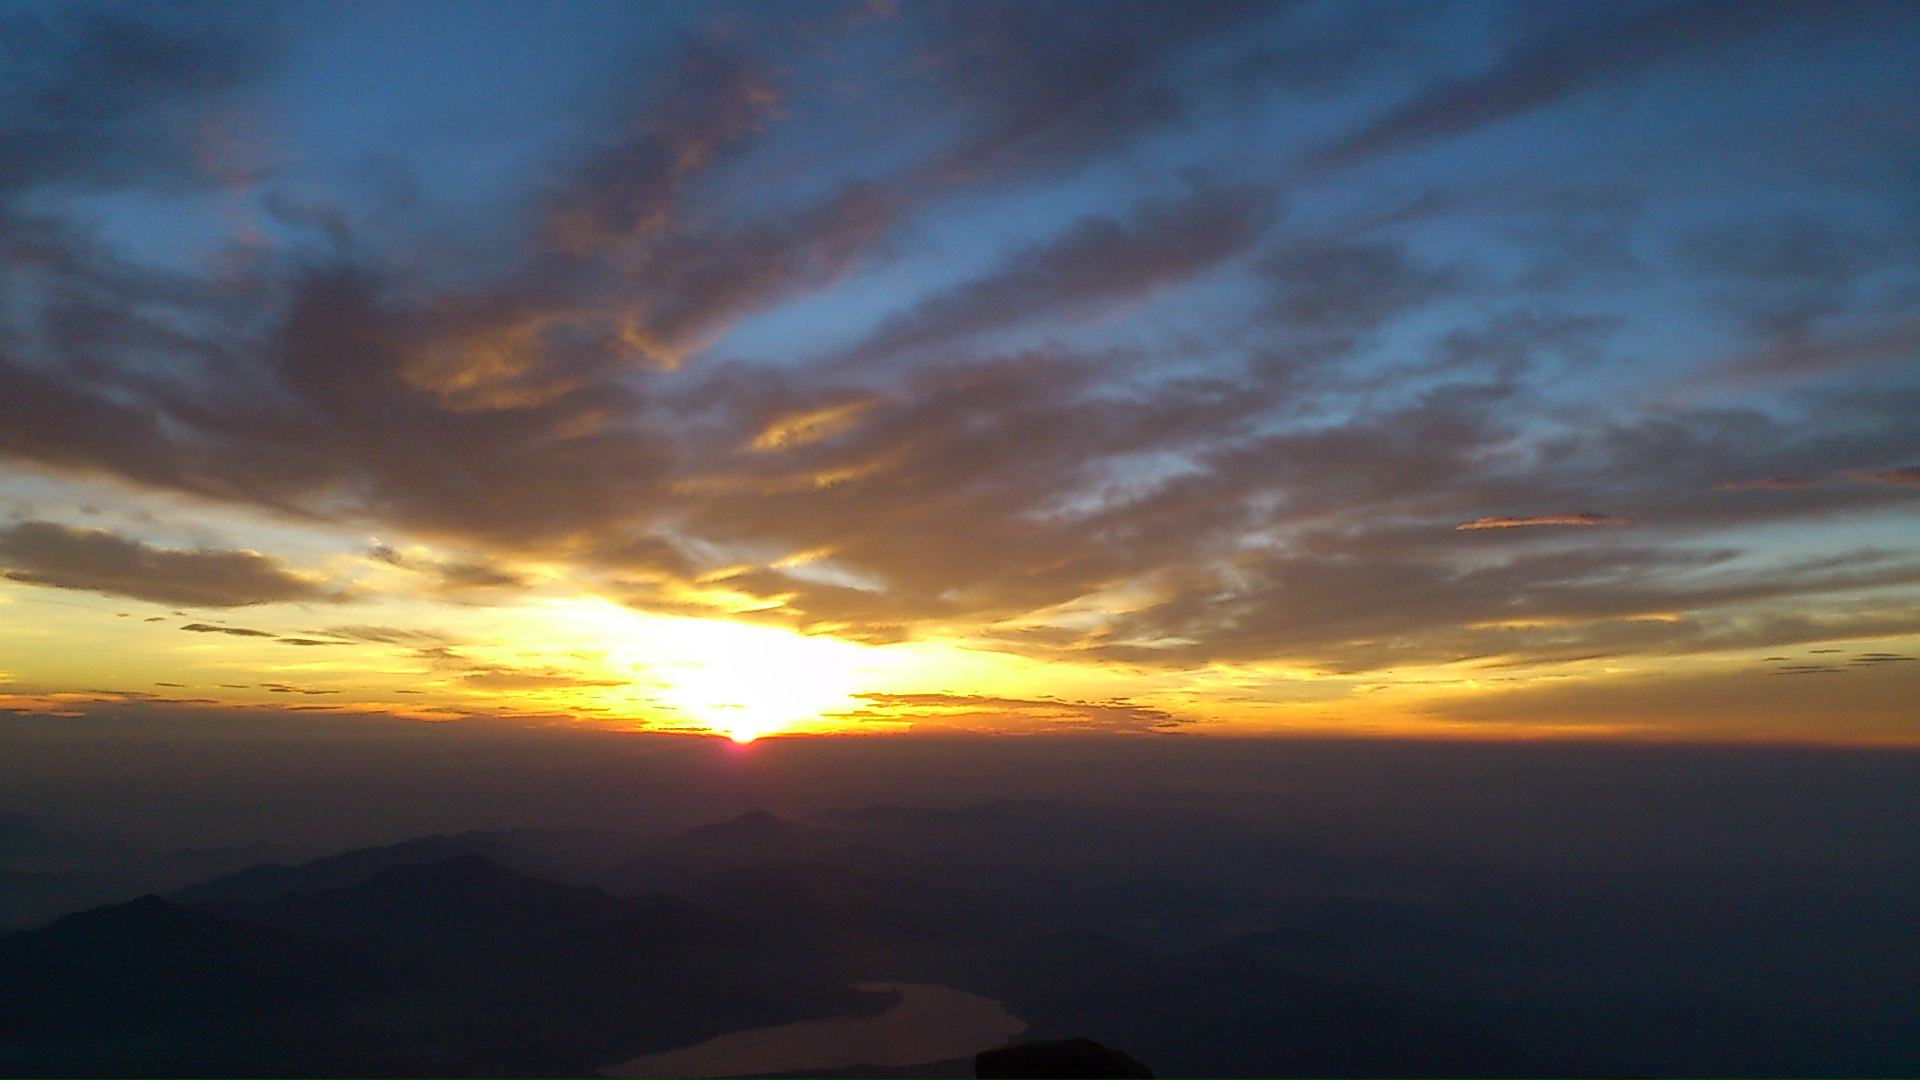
529, 851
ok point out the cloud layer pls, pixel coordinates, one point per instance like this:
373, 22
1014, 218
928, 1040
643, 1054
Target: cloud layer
1157, 336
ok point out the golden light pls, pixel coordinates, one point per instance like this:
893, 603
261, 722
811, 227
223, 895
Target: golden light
747, 681
742, 680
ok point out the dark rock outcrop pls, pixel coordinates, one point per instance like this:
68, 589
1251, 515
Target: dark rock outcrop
1060, 1058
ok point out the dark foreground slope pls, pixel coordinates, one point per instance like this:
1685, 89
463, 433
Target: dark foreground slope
459, 967
1231, 951
463, 967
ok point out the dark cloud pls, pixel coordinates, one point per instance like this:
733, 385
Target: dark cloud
1558, 63
94, 96
283, 688
1784, 482
388, 635
947, 494
1783, 276
235, 631
450, 576
1855, 348
1351, 610
633, 186
1346, 286
694, 284
1052, 87
56, 556
1098, 262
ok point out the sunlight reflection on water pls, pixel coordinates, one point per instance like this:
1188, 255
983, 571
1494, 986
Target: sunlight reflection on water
931, 1023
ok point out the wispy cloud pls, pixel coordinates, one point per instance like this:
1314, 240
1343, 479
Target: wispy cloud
1907, 477
1784, 482
990, 713
1098, 261
1538, 520
234, 631
1578, 55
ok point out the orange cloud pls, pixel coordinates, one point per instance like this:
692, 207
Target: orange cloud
1583, 518
1907, 477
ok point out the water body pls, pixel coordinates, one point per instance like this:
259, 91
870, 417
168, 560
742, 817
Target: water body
931, 1023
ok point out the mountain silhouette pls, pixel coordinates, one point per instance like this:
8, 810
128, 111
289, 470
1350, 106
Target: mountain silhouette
463, 898
753, 839
150, 960
271, 881
431, 958
457, 967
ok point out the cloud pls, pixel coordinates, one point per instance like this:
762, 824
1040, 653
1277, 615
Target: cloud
1583, 518
90, 105
1277, 479
1783, 482
1344, 286
388, 635
487, 675
510, 679
1556, 64
1049, 90
716, 98
1097, 262
56, 556
1031, 716
1907, 477
1545, 611
694, 284
1782, 277
450, 576
236, 631
1738, 705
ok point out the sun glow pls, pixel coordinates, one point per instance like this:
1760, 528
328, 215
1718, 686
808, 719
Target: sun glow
747, 681
733, 678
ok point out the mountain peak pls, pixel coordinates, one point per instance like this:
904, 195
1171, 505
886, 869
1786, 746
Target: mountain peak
761, 819
757, 828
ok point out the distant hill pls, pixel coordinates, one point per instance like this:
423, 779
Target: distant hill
755, 839
546, 853
30, 897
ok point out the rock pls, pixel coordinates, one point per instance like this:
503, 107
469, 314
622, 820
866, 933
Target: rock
1061, 1058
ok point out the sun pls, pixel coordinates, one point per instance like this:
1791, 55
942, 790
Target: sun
737, 679
747, 681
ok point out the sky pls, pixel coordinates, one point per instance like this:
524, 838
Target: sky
1485, 371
